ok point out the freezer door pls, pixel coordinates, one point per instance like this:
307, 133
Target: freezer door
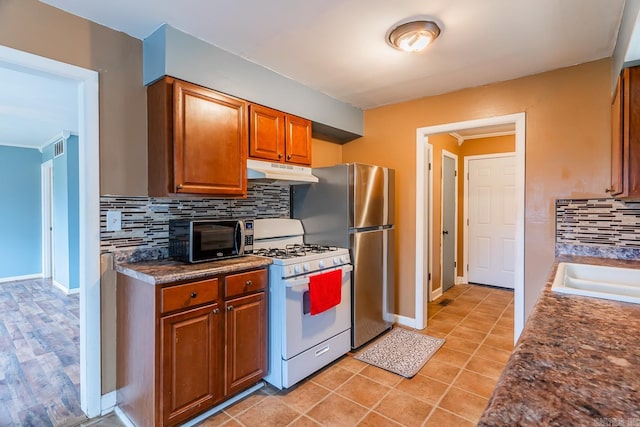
369, 285
372, 194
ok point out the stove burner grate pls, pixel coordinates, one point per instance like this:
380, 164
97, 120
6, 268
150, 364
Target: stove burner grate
296, 250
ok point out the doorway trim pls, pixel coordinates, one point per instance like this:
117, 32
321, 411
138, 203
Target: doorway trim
424, 229
48, 254
89, 189
454, 157
422, 138
465, 238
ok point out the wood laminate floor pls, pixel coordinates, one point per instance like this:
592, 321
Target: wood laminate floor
39, 355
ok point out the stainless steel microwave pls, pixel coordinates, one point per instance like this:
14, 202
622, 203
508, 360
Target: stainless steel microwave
200, 240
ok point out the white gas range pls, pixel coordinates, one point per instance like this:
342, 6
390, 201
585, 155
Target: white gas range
300, 343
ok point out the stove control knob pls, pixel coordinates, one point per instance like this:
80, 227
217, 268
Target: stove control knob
336, 261
306, 267
343, 258
321, 264
297, 269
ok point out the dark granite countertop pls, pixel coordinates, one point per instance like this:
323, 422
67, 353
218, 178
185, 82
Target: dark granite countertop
166, 271
576, 363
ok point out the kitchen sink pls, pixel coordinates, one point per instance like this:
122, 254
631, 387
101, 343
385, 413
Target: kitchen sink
614, 283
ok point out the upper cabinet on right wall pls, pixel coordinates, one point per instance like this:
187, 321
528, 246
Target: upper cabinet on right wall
625, 136
278, 137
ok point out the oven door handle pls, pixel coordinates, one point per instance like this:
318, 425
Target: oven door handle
292, 283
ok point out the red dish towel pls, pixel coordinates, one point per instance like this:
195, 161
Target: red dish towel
325, 291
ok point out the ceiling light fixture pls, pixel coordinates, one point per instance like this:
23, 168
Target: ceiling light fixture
413, 36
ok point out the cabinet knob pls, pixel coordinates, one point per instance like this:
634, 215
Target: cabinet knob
279, 155
230, 308
609, 190
194, 294
216, 310
179, 187
289, 157
248, 283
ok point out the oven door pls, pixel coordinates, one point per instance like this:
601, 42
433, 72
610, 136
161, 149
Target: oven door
302, 330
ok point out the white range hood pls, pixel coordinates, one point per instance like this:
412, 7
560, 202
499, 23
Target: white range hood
279, 173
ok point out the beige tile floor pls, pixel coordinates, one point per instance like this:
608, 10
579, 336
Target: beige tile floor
452, 389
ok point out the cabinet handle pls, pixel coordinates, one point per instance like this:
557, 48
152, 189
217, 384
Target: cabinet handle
279, 155
179, 187
216, 310
230, 308
248, 283
289, 157
609, 190
194, 294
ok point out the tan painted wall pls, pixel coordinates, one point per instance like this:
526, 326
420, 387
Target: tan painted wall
476, 147
325, 153
37, 28
567, 154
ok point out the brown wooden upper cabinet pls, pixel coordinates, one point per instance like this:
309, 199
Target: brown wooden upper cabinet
279, 137
197, 140
625, 136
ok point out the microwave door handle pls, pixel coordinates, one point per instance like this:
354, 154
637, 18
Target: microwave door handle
239, 237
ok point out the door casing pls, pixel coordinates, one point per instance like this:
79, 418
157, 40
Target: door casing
447, 265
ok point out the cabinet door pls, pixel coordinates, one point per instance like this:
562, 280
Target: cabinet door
191, 362
210, 142
246, 334
298, 140
266, 133
617, 140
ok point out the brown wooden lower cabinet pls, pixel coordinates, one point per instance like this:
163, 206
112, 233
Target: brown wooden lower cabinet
185, 347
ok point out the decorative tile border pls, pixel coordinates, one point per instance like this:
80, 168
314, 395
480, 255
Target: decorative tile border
605, 228
145, 220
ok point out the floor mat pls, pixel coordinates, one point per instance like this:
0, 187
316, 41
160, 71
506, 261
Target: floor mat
400, 351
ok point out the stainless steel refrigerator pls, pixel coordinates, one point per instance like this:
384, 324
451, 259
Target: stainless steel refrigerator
352, 206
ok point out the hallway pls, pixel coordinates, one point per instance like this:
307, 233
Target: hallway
39, 355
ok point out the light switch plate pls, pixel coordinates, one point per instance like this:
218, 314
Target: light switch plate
114, 220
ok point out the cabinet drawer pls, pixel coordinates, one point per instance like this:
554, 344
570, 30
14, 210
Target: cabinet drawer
237, 284
188, 295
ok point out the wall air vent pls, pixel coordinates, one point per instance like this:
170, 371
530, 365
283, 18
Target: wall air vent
58, 148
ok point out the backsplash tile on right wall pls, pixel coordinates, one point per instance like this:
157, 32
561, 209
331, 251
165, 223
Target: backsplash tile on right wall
606, 228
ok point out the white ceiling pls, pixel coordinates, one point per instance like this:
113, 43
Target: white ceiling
337, 47
35, 107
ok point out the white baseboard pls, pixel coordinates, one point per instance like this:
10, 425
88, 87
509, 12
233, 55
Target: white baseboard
220, 407
123, 417
460, 280
409, 322
64, 289
108, 402
435, 294
25, 277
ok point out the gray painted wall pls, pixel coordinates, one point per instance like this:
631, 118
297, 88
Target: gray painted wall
171, 52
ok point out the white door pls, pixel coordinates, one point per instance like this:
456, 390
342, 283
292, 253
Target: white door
492, 220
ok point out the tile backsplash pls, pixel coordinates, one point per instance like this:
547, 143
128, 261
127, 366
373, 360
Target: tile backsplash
598, 227
145, 220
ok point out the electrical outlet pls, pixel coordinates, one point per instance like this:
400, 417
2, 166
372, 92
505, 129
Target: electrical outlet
114, 220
